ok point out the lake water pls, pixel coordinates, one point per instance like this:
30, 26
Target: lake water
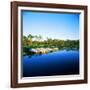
61, 62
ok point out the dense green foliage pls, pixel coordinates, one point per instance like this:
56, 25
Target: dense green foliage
37, 42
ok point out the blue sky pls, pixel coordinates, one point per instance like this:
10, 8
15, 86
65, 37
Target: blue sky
52, 25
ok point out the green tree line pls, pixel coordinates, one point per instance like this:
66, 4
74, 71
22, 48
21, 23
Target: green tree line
37, 41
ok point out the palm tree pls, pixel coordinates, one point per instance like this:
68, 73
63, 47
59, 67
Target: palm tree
30, 37
38, 38
25, 41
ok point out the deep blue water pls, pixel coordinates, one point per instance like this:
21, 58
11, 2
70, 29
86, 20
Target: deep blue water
62, 62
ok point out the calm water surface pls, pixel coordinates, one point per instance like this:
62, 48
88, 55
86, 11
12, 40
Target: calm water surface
62, 62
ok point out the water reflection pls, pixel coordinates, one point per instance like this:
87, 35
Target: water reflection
63, 62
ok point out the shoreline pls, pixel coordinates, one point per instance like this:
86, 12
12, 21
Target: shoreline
32, 51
